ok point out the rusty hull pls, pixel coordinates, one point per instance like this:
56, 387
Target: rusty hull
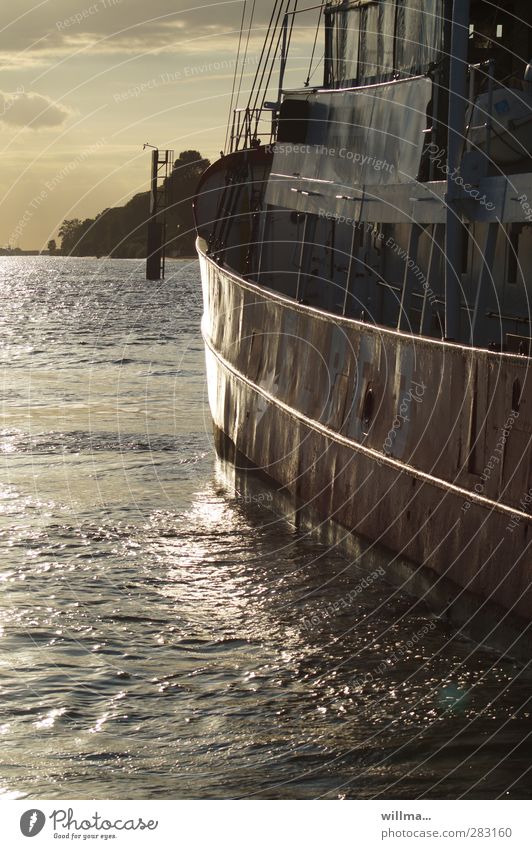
409, 442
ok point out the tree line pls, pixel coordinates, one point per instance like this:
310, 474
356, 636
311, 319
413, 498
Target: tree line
122, 231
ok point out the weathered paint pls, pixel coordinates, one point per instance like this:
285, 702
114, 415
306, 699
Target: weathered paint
288, 385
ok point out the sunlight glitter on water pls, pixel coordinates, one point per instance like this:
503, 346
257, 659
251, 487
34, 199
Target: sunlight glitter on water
164, 636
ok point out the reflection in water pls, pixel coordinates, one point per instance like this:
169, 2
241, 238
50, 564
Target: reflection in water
167, 635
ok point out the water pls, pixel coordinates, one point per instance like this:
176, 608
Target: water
164, 637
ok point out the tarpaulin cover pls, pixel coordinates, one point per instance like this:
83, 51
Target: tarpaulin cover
372, 136
378, 41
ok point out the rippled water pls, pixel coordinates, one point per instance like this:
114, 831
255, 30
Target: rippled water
164, 636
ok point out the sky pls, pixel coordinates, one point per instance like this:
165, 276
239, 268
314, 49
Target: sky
84, 84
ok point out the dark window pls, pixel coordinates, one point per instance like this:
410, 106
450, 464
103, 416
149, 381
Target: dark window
465, 248
293, 121
368, 409
514, 233
516, 396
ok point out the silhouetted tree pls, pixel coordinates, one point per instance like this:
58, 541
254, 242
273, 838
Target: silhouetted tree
122, 231
69, 233
189, 166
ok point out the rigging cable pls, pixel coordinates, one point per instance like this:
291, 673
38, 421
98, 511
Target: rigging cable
278, 9
257, 72
294, 12
288, 40
246, 51
279, 26
272, 17
235, 74
280, 15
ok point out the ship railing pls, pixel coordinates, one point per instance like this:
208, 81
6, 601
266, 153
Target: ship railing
438, 311
486, 69
251, 127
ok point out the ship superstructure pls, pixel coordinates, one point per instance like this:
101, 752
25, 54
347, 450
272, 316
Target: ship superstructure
367, 267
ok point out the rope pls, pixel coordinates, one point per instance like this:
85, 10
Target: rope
316, 68
310, 71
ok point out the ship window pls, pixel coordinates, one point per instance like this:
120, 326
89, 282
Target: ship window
376, 48
387, 36
499, 30
374, 41
344, 42
347, 44
369, 41
419, 34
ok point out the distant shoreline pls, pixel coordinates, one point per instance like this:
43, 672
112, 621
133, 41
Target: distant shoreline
4, 253
23, 253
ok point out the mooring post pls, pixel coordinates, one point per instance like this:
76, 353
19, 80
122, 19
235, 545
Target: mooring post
155, 240
161, 167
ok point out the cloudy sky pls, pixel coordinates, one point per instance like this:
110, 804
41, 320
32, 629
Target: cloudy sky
84, 84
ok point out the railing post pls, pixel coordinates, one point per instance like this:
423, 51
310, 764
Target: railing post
472, 80
489, 121
456, 133
436, 247
484, 280
403, 322
301, 258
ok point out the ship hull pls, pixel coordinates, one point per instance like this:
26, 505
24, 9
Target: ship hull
449, 541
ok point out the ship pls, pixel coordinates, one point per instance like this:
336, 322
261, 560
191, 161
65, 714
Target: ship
365, 243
